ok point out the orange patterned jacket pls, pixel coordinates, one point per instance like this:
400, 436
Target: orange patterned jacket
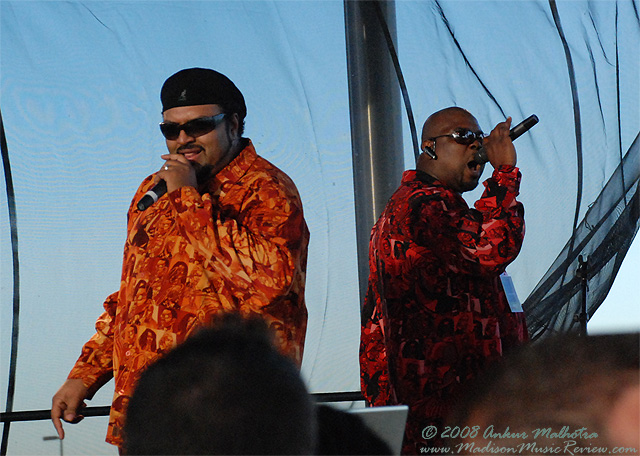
240, 246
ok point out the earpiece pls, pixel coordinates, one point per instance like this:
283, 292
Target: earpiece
430, 152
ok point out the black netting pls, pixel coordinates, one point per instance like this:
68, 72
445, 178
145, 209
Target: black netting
601, 240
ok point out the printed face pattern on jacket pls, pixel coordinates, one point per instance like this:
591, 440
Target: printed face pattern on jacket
435, 313
240, 247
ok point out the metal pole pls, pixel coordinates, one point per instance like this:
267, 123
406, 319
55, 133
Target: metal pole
376, 124
55, 437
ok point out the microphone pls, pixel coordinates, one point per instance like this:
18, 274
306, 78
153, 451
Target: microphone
515, 132
152, 195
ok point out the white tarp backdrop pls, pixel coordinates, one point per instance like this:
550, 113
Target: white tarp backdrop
80, 108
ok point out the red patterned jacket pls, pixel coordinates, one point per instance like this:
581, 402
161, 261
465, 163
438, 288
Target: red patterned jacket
435, 313
240, 247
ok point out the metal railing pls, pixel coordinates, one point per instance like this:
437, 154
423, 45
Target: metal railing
37, 415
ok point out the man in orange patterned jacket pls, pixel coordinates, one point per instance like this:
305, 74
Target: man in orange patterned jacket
228, 236
435, 313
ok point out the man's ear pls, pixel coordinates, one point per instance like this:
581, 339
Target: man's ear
234, 123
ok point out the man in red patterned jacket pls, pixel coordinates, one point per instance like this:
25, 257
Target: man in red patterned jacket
229, 236
436, 313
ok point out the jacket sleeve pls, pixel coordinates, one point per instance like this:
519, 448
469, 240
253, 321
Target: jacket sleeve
255, 249
478, 241
95, 364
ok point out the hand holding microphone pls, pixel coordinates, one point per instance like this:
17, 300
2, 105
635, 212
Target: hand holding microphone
176, 172
515, 132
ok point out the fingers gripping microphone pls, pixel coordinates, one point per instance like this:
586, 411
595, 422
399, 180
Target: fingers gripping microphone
152, 195
515, 132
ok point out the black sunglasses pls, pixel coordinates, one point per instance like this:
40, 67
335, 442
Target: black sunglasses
194, 128
463, 136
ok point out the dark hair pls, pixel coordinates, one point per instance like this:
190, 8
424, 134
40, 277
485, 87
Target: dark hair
142, 340
225, 390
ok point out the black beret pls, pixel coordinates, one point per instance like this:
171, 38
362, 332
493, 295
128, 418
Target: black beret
198, 86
